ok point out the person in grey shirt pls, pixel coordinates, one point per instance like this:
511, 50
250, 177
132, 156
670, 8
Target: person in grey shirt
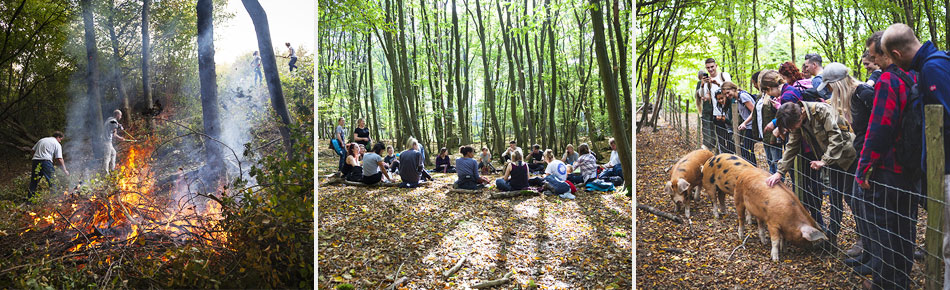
467, 169
570, 155
373, 164
746, 105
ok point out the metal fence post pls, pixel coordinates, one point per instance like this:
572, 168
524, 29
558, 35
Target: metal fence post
735, 129
933, 130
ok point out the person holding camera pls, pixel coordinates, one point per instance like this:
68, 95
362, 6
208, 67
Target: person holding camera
709, 83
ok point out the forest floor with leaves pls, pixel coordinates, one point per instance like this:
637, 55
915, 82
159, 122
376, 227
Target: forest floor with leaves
697, 255
371, 236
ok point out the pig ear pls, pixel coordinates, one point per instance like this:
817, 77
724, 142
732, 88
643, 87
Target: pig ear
812, 234
669, 187
683, 184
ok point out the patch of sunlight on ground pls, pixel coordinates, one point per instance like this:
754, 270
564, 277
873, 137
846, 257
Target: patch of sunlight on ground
473, 239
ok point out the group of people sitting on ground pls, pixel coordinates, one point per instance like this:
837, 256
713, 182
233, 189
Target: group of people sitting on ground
867, 134
558, 176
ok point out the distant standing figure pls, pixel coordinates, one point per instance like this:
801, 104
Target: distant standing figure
112, 131
293, 57
44, 152
361, 133
256, 65
338, 143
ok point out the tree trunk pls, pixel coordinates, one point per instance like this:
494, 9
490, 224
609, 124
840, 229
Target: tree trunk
269, 64
506, 37
209, 88
622, 47
116, 66
489, 87
552, 135
95, 120
931, 24
755, 36
611, 94
146, 52
791, 27
371, 92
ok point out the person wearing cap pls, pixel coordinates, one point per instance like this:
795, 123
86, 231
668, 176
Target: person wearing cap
933, 68
853, 100
891, 215
818, 126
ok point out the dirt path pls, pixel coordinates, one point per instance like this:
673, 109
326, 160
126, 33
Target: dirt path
366, 234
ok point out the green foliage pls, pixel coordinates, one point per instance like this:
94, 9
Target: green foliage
345, 286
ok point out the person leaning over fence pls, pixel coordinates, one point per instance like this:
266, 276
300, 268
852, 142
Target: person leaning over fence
746, 106
933, 68
763, 113
852, 99
45, 151
813, 66
886, 182
722, 120
374, 167
815, 130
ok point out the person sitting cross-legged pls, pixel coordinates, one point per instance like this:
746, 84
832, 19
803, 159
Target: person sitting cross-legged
409, 165
516, 174
374, 168
555, 176
585, 168
467, 168
443, 163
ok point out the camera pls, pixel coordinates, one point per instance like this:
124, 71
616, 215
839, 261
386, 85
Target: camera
704, 75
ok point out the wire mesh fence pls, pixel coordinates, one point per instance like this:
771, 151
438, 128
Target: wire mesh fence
890, 232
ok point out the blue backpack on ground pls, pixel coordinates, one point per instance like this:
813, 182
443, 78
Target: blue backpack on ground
599, 185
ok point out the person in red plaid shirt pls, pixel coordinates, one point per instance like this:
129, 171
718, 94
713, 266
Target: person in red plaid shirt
892, 214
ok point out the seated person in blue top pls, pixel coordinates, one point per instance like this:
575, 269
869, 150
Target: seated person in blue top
516, 174
467, 168
373, 166
443, 163
555, 176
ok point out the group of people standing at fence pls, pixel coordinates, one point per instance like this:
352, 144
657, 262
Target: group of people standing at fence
558, 176
867, 135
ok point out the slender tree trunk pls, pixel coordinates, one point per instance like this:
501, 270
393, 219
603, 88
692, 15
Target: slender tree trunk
931, 24
552, 135
95, 120
116, 66
146, 52
611, 94
371, 92
209, 88
489, 87
755, 35
791, 27
269, 64
506, 37
622, 47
